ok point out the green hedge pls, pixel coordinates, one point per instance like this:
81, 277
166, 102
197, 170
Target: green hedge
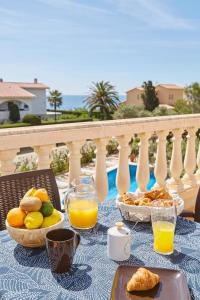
45, 123
67, 121
20, 124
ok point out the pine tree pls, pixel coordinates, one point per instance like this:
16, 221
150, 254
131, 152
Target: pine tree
149, 96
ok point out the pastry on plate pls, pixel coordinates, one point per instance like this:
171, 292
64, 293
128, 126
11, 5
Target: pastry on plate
142, 280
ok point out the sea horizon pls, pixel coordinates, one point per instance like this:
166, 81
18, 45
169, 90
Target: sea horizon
75, 101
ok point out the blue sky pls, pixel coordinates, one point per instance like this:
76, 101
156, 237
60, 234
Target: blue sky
67, 44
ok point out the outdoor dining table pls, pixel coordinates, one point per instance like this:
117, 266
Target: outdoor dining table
25, 273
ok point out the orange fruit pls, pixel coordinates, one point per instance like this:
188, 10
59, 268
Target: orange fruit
42, 195
15, 217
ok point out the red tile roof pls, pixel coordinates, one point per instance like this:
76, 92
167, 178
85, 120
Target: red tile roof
13, 91
30, 85
172, 86
136, 88
167, 86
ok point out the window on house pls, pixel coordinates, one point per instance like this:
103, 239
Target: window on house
4, 106
171, 96
138, 97
26, 107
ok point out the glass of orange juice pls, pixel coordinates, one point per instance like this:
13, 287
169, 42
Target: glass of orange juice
81, 205
163, 224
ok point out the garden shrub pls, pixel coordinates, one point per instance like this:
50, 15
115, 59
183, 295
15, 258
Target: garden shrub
134, 144
183, 106
112, 147
88, 153
125, 112
163, 111
144, 114
25, 163
60, 160
32, 119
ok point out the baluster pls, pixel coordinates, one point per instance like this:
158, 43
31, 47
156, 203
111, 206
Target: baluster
176, 164
74, 159
142, 175
101, 178
160, 170
190, 158
43, 153
197, 174
7, 161
123, 175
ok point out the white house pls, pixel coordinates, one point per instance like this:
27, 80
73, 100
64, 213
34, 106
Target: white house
30, 98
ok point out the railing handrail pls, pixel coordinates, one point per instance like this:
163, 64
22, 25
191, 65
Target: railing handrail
12, 138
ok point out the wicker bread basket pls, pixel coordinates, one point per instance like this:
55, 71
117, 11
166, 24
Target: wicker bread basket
136, 213
32, 238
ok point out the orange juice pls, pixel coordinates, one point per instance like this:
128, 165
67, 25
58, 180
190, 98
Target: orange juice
163, 237
83, 213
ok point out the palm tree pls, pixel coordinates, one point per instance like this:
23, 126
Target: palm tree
104, 98
55, 100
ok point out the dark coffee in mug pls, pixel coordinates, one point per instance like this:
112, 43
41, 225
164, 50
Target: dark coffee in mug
61, 246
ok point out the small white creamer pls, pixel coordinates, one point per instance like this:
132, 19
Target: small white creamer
119, 242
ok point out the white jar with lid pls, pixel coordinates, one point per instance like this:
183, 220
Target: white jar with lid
119, 242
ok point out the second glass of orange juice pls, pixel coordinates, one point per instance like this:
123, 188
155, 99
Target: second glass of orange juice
163, 224
81, 206
163, 232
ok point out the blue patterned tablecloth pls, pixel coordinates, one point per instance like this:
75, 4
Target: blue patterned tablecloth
25, 273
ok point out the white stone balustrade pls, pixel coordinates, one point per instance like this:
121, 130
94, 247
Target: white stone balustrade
143, 172
123, 176
190, 158
160, 170
43, 138
197, 174
101, 180
176, 165
7, 161
74, 160
43, 153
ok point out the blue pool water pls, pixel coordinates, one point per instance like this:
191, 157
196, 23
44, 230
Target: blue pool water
112, 192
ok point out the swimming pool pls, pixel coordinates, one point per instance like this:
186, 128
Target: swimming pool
112, 191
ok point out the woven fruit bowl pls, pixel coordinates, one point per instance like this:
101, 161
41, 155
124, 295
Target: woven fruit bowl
142, 213
32, 238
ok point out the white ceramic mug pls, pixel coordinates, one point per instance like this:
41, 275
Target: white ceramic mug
119, 242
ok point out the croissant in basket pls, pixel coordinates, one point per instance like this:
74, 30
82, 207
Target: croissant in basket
147, 199
158, 194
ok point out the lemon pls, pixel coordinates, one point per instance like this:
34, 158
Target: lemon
30, 192
46, 209
41, 194
53, 219
33, 220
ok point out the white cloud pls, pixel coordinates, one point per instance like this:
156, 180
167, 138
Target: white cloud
152, 13
76, 5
